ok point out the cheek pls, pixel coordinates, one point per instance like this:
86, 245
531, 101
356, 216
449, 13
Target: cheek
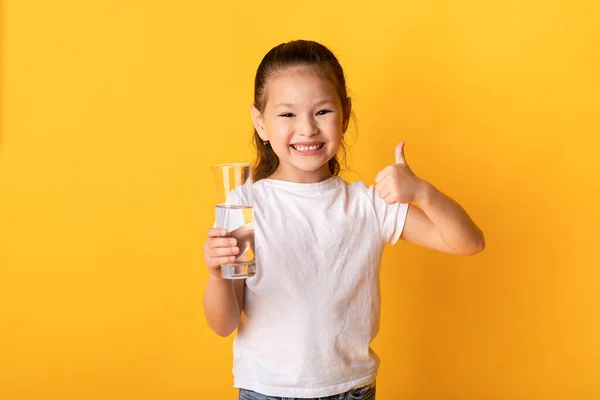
278, 128
333, 126
279, 136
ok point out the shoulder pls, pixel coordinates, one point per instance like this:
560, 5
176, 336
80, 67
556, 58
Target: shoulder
361, 189
356, 189
361, 193
358, 186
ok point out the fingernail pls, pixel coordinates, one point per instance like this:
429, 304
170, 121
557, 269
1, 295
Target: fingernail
232, 242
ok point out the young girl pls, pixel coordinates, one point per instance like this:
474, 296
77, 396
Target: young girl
312, 309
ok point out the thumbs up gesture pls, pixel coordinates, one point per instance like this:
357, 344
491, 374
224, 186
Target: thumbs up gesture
397, 183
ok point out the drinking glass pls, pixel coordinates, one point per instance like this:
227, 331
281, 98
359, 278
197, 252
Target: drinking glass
234, 211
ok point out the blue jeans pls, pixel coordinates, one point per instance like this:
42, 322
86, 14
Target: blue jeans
362, 393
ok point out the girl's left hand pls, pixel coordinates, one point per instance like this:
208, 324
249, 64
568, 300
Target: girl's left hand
397, 183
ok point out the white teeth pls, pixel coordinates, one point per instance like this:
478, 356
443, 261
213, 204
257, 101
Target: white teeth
307, 148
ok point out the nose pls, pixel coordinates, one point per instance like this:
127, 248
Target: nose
307, 127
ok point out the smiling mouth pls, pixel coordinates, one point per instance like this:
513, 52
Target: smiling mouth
303, 148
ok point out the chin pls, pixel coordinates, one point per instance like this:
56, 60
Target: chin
314, 169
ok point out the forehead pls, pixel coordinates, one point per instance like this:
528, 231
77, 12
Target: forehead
300, 84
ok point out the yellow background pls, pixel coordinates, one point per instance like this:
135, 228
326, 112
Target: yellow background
113, 111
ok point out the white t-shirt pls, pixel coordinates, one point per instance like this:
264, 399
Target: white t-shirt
312, 309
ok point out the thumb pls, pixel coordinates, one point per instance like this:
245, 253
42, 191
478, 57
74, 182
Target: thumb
400, 159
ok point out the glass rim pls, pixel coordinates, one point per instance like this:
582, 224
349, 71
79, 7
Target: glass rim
231, 165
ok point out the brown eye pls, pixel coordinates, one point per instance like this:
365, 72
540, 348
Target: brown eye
323, 112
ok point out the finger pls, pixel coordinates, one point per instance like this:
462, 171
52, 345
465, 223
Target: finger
382, 174
216, 262
221, 242
223, 252
380, 186
388, 196
400, 159
216, 232
383, 193
390, 199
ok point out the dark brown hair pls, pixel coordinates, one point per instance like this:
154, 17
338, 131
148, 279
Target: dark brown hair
286, 55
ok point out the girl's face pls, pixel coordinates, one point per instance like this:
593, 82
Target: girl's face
304, 122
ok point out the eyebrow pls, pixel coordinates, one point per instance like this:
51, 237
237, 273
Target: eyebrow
316, 104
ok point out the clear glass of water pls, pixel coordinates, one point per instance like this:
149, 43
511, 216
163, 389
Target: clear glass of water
234, 211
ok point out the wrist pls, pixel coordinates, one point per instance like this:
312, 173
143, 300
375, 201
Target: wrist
425, 191
218, 279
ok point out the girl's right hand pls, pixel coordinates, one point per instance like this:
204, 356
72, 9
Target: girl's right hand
219, 250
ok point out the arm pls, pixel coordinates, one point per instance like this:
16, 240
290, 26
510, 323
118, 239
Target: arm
440, 223
223, 298
223, 304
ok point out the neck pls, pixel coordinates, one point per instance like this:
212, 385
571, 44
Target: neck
319, 175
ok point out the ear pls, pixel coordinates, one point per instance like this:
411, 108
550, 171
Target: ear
257, 120
347, 113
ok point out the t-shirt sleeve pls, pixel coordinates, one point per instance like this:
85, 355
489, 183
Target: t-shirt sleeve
391, 217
